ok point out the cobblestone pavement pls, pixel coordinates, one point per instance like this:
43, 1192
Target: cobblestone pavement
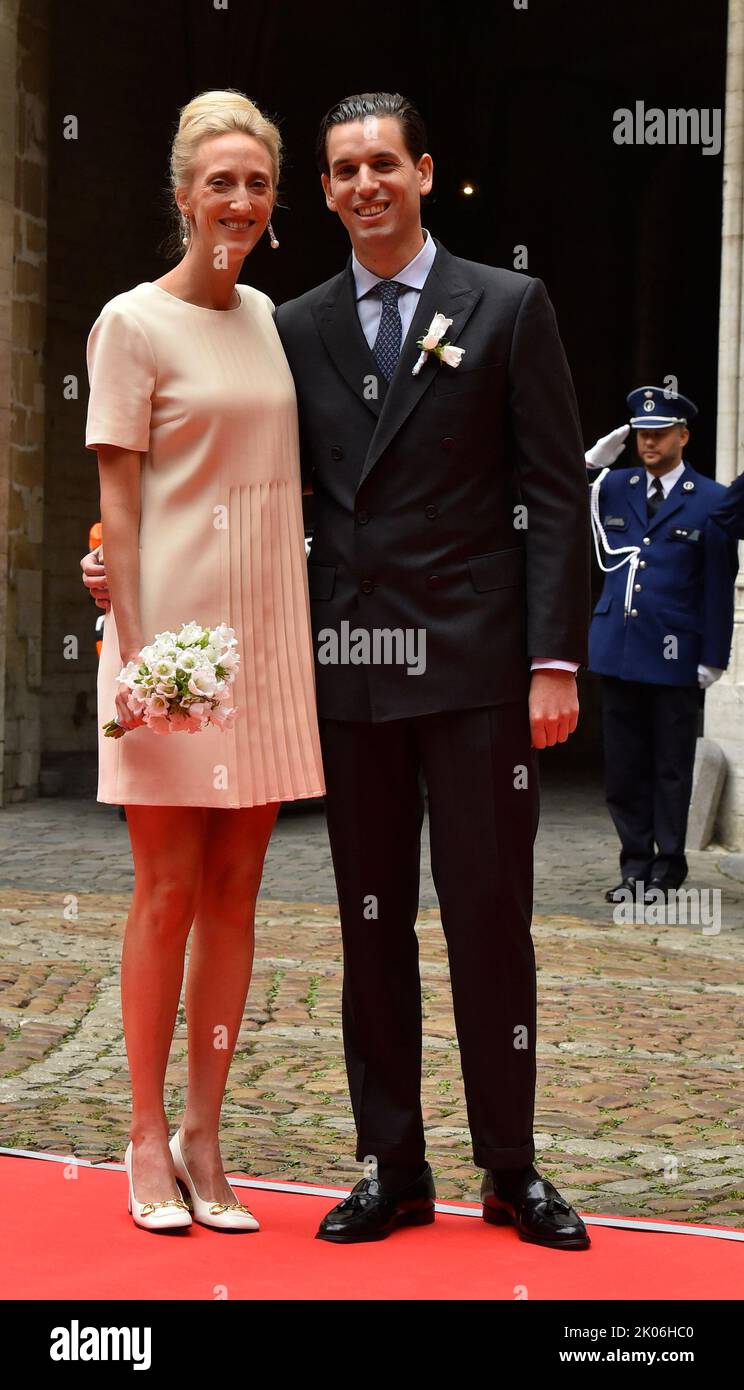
640, 1083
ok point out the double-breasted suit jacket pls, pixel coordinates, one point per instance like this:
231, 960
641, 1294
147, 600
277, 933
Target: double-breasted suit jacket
452, 501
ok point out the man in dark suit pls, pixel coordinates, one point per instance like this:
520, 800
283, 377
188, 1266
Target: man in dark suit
449, 582
451, 502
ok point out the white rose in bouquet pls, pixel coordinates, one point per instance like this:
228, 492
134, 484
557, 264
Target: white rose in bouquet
203, 682
190, 635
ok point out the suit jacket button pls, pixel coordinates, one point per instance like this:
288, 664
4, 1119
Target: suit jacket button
336, 451
366, 586
634, 612
433, 581
447, 442
431, 511
646, 540
642, 564
362, 516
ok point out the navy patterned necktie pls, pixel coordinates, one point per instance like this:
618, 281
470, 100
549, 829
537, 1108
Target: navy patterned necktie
390, 333
655, 497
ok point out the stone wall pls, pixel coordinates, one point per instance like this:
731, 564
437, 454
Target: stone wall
23, 237
108, 165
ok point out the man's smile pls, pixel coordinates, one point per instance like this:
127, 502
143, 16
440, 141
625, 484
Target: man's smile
371, 210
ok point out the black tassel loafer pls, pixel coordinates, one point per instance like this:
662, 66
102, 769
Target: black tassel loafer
372, 1212
621, 892
538, 1211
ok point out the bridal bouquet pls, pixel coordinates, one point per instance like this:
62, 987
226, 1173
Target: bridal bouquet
181, 681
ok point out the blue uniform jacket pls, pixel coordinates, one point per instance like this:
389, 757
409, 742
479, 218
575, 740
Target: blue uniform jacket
683, 588
729, 511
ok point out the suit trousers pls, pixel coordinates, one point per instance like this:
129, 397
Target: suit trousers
650, 733
481, 775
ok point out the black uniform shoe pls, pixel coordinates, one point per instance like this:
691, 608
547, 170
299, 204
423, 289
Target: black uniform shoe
656, 886
373, 1211
538, 1211
620, 894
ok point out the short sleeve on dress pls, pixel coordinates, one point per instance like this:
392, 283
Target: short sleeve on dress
121, 371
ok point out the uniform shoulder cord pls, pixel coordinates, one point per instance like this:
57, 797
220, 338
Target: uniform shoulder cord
630, 553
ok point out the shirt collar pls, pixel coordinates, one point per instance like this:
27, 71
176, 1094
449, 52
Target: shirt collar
667, 479
413, 275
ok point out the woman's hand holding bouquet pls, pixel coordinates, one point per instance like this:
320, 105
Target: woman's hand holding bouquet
180, 683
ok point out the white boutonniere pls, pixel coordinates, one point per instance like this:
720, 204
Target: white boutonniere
432, 342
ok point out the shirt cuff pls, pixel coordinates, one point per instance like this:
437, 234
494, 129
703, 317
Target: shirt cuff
548, 662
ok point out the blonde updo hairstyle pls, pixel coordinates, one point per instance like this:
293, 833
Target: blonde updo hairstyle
213, 113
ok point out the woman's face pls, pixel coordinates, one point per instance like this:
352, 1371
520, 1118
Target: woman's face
231, 196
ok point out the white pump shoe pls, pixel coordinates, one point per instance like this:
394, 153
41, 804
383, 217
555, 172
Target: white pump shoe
155, 1216
222, 1216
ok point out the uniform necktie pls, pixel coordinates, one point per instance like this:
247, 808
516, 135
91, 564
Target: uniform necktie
390, 333
655, 497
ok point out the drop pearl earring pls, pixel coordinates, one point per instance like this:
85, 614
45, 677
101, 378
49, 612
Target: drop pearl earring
274, 244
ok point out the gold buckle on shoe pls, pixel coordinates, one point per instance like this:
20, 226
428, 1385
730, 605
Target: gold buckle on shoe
217, 1207
149, 1207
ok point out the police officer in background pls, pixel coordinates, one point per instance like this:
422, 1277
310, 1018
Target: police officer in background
661, 632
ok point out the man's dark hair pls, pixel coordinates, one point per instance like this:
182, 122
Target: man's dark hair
365, 104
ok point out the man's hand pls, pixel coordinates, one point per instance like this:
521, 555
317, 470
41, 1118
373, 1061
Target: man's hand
554, 706
94, 579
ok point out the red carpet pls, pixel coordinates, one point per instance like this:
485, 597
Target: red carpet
72, 1238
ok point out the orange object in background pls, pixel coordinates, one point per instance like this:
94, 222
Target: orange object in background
95, 538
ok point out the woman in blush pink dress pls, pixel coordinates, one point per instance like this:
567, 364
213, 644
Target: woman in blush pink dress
193, 416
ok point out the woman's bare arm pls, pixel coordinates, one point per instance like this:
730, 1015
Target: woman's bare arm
119, 472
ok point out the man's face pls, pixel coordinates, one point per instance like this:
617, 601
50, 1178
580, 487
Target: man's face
374, 185
661, 450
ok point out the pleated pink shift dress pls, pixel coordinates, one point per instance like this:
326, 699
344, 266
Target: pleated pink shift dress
207, 396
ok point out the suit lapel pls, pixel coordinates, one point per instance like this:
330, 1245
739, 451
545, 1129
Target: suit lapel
444, 292
337, 321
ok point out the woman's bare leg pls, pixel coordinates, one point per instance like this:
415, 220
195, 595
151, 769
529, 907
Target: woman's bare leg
220, 964
167, 848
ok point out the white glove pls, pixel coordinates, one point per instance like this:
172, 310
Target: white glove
708, 675
607, 449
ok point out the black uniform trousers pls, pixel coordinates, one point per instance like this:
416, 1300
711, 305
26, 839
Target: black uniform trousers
650, 733
482, 780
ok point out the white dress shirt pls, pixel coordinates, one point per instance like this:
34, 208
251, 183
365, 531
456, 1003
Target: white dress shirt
667, 479
412, 276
